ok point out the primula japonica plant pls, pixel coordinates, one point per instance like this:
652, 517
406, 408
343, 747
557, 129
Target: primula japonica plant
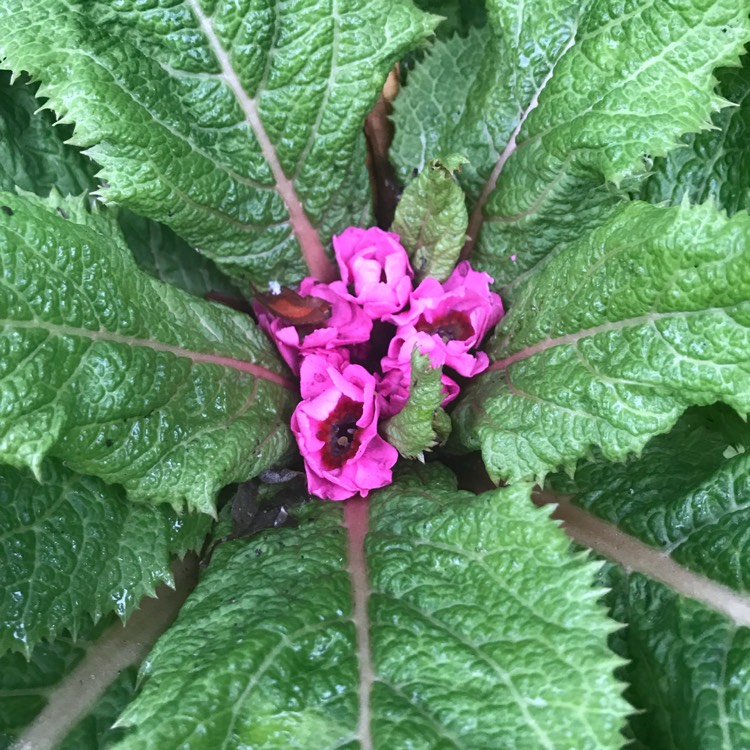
560, 306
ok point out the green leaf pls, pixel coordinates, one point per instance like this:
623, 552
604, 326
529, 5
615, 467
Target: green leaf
421, 424
459, 16
713, 164
435, 98
569, 102
431, 219
33, 154
124, 377
683, 498
483, 627
55, 534
236, 124
613, 339
688, 668
161, 253
682, 495
26, 683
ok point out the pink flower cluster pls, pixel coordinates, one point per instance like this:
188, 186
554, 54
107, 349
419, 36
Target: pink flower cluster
354, 361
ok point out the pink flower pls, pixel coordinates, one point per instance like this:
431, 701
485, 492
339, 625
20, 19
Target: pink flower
336, 426
375, 264
447, 321
346, 325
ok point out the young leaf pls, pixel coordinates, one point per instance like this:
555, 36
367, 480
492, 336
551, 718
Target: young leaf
431, 219
459, 16
613, 339
235, 124
33, 155
483, 630
434, 99
573, 99
714, 163
56, 533
124, 377
421, 424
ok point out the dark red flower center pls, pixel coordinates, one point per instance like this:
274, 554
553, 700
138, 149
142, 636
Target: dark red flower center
340, 434
453, 326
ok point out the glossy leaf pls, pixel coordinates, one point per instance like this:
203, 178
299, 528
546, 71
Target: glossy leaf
33, 154
713, 164
612, 340
236, 124
58, 533
558, 107
124, 377
484, 631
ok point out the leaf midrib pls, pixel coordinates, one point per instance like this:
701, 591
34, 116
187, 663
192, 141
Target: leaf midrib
311, 246
573, 338
356, 524
634, 556
117, 649
196, 357
477, 215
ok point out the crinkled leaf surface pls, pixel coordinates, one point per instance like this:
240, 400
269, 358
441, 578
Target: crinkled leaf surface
431, 219
688, 662
484, 631
74, 547
688, 668
124, 377
683, 495
613, 339
714, 163
236, 124
558, 103
33, 155
167, 257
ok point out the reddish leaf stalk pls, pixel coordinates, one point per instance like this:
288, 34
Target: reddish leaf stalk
313, 252
356, 522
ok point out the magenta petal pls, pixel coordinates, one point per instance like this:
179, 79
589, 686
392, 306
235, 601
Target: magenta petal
448, 321
336, 427
376, 266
